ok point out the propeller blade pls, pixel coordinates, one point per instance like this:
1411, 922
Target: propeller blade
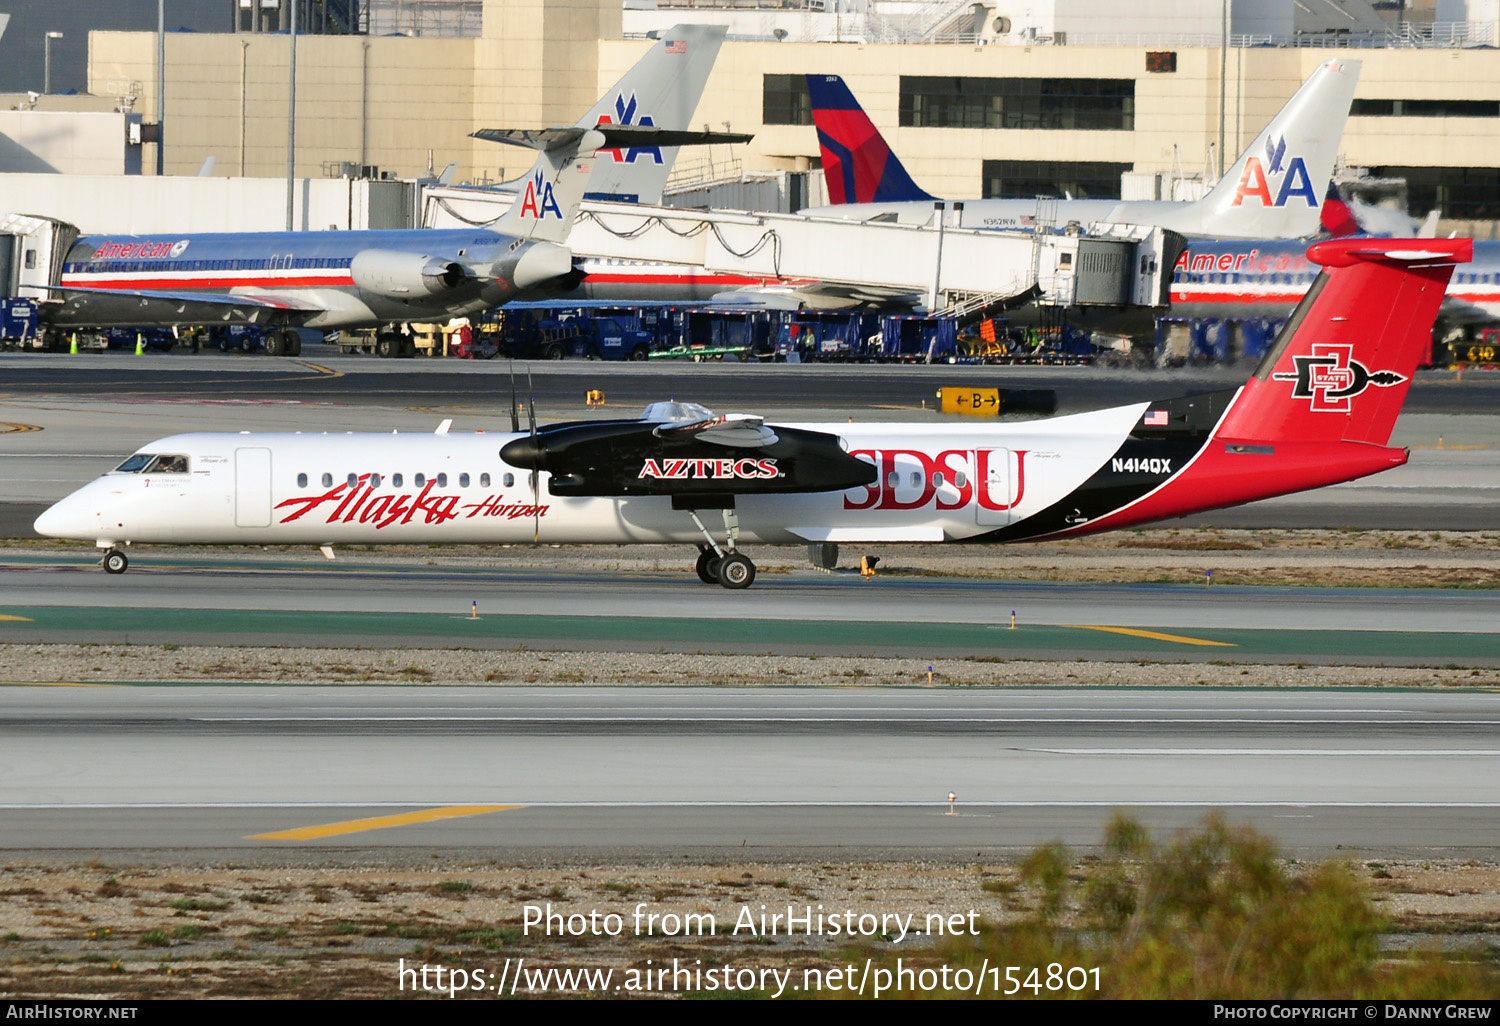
536, 473
515, 415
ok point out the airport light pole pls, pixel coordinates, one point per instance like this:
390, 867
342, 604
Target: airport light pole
161, 85
47, 60
291, 119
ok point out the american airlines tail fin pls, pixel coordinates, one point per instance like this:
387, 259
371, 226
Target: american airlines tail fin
548, 197
858, 166
662, 89
1273, 191
1340, 368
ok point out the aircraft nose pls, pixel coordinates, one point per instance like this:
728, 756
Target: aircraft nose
76, 517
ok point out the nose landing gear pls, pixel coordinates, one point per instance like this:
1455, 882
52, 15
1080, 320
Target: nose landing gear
114, 562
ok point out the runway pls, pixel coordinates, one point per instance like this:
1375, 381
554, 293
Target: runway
218, 601
777, 770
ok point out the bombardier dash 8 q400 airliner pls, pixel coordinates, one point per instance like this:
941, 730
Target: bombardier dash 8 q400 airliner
1318, 410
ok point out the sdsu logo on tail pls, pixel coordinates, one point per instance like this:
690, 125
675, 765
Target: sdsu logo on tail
1255, 180
1330, 377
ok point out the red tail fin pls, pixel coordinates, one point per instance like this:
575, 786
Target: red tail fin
1341, 366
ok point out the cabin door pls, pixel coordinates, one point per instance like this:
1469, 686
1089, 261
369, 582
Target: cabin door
252, 487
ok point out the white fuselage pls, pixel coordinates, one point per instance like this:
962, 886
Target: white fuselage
936, 483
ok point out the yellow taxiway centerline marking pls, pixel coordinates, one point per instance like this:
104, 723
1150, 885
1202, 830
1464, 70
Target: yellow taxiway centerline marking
355, 826
22, 619
322, 370
8, 426
1153, 635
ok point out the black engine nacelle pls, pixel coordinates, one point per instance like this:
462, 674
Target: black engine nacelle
398, 275
632, 458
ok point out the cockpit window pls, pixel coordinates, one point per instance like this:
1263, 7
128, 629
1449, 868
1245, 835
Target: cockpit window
168, 465
135, 463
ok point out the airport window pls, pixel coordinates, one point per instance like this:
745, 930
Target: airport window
135, 463
784, 100
301, 480
463, 480
327, 480
1425, 109
1086, 104
395, 480
442, 480
484, 480
1462, 193
510, 480
1023, 179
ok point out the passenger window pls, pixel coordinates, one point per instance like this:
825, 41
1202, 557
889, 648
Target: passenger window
327, 480
442, 480
937, 479
419, 480
959, 479
301, 480
374, 480
510, 480
395, 480
484, 480
463, 480
353, 480
893, 480
916, 479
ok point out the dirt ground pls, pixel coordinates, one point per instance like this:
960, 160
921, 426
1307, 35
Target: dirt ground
122, 931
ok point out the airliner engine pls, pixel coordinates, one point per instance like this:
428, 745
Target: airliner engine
398, 275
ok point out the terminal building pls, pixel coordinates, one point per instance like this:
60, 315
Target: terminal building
999, 98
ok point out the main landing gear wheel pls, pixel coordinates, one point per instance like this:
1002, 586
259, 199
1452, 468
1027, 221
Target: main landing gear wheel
736, 571
114, 562
708, 566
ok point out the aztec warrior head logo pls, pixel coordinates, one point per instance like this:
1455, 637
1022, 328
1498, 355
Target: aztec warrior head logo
1330, 378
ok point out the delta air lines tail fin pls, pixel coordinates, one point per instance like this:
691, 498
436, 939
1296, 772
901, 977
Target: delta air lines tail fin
1274, 189
1340, 369
858, 166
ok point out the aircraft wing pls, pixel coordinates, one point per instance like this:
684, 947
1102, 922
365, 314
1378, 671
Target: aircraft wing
152, 306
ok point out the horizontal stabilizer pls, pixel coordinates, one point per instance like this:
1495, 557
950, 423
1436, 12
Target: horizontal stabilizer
613, 136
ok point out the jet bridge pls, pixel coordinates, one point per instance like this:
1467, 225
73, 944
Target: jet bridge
636, 252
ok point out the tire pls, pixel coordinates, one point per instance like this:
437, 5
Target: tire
387, 346
736, 571
275, 343
115, 562
295, 348
639, 353
708, 566
552, 352
408, 347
